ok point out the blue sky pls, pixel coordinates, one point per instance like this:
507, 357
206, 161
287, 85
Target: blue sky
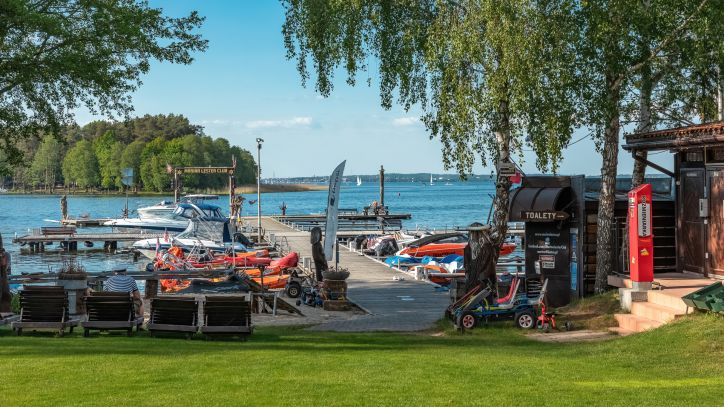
243, 87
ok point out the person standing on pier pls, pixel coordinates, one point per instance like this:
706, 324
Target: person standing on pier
122, 283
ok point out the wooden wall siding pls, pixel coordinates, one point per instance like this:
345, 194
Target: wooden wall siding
664, 238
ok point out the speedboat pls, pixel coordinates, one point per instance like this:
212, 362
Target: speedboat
202, 233
164, 209
178, 221
444, 244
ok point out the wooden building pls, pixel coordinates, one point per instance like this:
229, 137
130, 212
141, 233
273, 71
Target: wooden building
699, 194
575, 235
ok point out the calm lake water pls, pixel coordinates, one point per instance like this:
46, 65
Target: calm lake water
437, 206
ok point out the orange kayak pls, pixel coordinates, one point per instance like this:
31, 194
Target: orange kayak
271, 282
255, 273
437, 269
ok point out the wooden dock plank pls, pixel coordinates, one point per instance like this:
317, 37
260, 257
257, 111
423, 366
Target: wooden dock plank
82, 237
406, 305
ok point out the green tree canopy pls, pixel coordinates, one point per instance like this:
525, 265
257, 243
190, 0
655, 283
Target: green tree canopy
131, 158
621, 42
108, 154
46, 162
80, 166
153, 168
58, 55
489, 76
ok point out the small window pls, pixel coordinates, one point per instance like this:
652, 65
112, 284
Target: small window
716, 154
694, 156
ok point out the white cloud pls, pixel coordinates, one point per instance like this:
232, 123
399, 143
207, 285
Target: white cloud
405, 121
220, 122
302, 121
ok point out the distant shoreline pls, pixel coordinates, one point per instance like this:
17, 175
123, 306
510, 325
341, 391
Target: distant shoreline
242, 189
272, 188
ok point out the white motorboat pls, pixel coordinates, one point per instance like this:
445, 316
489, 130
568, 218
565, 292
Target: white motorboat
204, 233
177, 221
164, 209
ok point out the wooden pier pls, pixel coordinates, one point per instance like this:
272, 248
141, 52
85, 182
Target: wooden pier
401, 304
68, 239
85, 222
347, 222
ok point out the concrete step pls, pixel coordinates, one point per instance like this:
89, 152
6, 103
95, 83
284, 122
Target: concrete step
620, 331
670, 298
655, 312
636, 323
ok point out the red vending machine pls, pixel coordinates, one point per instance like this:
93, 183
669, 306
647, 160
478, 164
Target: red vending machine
640, 237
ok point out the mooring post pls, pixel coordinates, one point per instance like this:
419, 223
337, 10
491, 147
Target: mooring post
5, 297
382, 187
64, 207
175, 185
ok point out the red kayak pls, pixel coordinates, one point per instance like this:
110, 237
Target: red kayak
444, 249
276, 267
248, 261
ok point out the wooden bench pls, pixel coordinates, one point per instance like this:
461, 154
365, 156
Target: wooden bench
57, 230
227, 315
174, 314
44, 308
380, 210
110, 311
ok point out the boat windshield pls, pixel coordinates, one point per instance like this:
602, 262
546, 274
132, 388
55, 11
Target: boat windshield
191, 211
213, 213
205, 230
156, 213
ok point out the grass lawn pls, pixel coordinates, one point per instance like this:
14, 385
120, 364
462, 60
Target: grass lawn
680, 364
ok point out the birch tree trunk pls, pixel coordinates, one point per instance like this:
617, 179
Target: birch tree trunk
480, 256
645, 123
502, 184
607, 197
720, 94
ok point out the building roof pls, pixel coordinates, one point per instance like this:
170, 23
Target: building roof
679, 138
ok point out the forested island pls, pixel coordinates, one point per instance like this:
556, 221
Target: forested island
90, 157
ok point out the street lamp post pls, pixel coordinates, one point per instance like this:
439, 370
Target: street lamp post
258, 188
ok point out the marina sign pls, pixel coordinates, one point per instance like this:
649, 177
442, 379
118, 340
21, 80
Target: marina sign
205, 170
543, 216
506, 169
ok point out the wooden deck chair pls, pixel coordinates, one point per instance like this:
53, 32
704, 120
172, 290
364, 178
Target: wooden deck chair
110, 311
9, 317
227, 315
174, 314
44, 308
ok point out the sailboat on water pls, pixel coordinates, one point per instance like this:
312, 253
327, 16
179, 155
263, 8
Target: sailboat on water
431, 182
359, 181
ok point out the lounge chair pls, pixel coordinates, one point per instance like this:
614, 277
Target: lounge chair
6, 318
110, 311
174, 314
227, 315
44, 308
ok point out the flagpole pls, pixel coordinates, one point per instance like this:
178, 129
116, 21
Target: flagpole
258, 188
